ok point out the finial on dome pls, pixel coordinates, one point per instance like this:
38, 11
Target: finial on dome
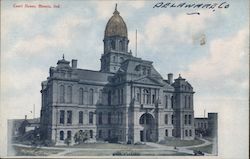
116, 12
63, 56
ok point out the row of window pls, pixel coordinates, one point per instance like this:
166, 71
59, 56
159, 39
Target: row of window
147, 97
167, 132
91, 115
166, 119
188, 133
187, 102
166, 102
188, 119
69, 117
201, 125
69, 134
62, 94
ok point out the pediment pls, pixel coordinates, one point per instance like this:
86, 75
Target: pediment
147, 80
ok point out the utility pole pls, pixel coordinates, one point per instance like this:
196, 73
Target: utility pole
136, 43
33, 111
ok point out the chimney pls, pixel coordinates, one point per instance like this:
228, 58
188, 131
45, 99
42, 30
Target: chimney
74, 63
25, 117
170, 78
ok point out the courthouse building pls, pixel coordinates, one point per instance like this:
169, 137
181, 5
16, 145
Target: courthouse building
126, 99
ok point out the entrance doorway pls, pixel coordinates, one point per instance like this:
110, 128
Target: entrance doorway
148, 132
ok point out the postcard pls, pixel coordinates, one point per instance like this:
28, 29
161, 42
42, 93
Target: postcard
114, 79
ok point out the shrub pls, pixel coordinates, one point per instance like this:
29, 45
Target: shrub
126, 153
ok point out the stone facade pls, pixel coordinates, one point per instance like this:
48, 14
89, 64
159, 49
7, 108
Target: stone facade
127, 100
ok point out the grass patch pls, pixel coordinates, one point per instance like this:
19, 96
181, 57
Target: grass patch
206, 149
33, 151
180, 143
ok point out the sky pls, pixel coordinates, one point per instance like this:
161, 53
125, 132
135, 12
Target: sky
34, 39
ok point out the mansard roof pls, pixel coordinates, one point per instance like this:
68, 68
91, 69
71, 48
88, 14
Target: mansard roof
90, 75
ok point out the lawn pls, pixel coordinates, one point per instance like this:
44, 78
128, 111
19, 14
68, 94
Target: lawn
206, 149
128, 152
180, 143
109, 146
32, 151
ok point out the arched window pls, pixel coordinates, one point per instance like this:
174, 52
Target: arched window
61, 135
69, 91
172, 102
91, 117
121, 46
100, 118
166, 119
91, 133
113, 44
91, 96
185, 106
189, 101
138, 95
166, 132
69, 134
153, 98
166, 101
146, 96
62, 94
80, 117
172, 119
81, 96
186, 132
190, 132
100, 96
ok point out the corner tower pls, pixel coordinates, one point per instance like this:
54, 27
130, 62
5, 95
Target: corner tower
115, 44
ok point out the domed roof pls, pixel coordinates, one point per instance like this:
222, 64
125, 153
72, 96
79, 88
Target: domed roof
116, 26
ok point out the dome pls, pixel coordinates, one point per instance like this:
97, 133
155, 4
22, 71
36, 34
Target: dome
116, 26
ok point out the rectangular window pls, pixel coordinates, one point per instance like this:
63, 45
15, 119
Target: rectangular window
189, 119
69, 134
153, 98
91, 133
91, 117
109, 118
100, 133
80, 117
62, 116
100, 118
69, 117
166, 119
185, 120
166, 132
172, 119
166, 101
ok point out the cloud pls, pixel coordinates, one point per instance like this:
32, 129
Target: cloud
181, 28
226, 57
60, 36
